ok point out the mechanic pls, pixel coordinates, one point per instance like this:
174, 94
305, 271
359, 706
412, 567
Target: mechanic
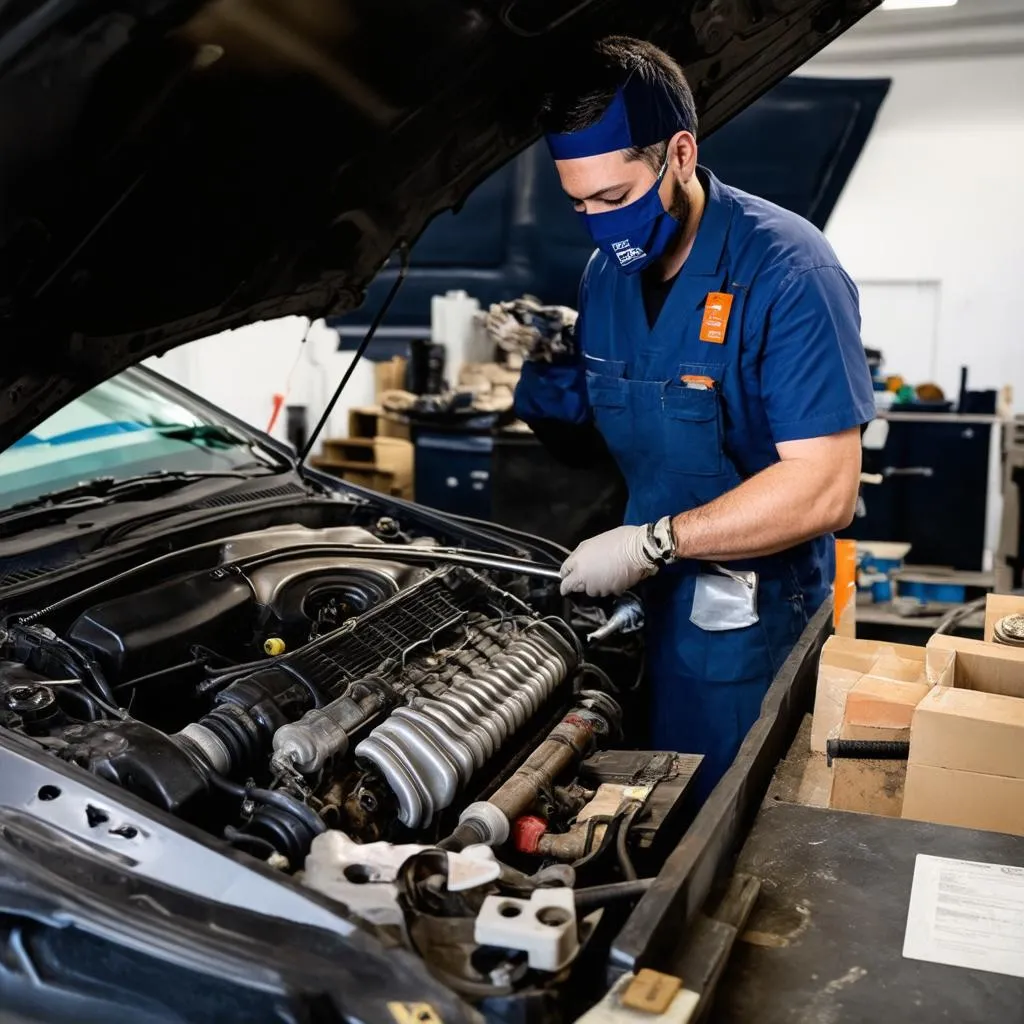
718, 354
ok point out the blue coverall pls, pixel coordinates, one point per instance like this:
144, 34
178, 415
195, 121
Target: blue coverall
791, 367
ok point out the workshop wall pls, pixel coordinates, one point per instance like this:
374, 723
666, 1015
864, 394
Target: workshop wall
241, 370
931, 224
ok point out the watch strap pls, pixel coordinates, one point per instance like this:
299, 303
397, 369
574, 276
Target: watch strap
661, 542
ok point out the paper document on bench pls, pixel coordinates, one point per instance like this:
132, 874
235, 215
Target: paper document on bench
967, 914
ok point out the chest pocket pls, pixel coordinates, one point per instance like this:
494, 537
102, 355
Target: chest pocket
606, 390
693, 431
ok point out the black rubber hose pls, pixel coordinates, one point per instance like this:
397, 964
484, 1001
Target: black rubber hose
601, 895
466, 834
874, 750
621, 852
271, 798
91, 674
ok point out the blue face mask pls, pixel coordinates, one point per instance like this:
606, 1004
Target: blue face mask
636, 235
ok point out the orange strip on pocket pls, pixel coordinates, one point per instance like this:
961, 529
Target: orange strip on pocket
717, 307
708, 382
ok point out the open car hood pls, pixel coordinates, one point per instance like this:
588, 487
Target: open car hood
172, 169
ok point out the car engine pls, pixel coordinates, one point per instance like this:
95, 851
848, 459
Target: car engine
420, 742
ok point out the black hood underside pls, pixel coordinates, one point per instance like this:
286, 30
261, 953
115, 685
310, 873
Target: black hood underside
169, 170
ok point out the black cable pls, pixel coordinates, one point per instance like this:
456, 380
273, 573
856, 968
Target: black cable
954, 617
595, 896
271, 798
621, 852
607, 840
367, 338
156, 675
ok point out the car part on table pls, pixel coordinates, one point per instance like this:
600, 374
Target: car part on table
1009, 631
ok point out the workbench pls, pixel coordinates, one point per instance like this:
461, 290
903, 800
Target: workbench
825, 939
774, 908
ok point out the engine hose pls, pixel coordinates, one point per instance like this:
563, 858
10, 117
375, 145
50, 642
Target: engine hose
271, 798
595, 896
90, 673
466, 833
588, 668
621, 851
873, 750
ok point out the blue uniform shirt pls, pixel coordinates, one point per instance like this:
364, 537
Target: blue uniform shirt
791, 365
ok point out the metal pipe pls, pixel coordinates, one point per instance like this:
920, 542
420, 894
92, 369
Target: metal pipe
567, 744
442, 556
601, 895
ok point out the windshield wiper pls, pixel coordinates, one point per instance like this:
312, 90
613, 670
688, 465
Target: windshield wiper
211, 435
59, 506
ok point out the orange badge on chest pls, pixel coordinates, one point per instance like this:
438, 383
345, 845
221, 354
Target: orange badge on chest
716, 317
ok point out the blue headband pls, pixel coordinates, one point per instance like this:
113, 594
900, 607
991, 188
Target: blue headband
640, 114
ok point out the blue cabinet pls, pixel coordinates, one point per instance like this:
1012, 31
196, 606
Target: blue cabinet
453, 472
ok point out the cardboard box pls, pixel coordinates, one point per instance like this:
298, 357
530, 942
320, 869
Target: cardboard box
971, 731
389, 376
875, 702
997, 606
991, 668
967, 740
396, 456
876, 708
844, 662
967, 799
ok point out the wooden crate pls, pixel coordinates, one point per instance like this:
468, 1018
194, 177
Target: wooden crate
383, 464
371, 421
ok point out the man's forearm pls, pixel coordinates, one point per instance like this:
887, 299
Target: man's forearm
781, 506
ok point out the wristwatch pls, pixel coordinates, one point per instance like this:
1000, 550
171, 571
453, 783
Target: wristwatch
661, 542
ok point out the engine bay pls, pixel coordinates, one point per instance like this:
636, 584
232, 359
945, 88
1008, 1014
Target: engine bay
443, 748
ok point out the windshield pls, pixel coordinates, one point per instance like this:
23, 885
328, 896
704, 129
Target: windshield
127, 425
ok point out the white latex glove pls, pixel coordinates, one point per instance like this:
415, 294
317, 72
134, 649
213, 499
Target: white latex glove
610, 563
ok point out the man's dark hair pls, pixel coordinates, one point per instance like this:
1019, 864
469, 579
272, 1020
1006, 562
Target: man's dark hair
589, 79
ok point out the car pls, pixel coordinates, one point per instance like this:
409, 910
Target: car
272, 746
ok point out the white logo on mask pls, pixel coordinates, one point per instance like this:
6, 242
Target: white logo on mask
627, 253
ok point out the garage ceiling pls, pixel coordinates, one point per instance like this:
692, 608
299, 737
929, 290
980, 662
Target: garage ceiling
969, 29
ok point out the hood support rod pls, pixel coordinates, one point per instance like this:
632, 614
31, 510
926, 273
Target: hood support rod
368, 337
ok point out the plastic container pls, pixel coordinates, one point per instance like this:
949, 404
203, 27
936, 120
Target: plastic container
950, 593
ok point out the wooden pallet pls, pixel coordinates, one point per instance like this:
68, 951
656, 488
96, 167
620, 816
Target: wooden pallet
383, 464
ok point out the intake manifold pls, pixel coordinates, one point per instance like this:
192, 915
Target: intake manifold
429, 749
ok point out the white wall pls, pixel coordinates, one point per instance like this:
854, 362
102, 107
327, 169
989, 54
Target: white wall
241, 370
933, 217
